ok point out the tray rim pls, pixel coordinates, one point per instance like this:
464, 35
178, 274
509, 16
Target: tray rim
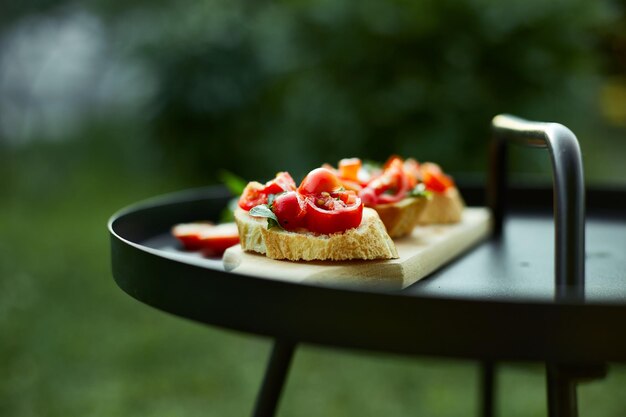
599, 317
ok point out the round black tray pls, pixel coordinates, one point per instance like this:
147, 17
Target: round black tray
550, 284
496, 302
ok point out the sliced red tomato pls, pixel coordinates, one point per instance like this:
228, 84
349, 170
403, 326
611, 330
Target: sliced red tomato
212, 239
290, 209
368, 196
252, 195
283, 182
390, 187
326, 214
319, 180
320, 203
412, 171
393, 159
256, 193
434, 179
331, 168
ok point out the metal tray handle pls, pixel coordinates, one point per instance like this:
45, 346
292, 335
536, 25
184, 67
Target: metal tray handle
568, 188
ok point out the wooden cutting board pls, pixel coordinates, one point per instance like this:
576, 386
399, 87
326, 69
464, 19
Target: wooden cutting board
425, 250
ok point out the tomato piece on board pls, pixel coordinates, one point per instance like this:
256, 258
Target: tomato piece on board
212, 239
319, 180
290, 209
326, 214
252, 195
434, 179
283, 182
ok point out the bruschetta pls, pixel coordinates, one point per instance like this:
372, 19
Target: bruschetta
318, 220
404, 193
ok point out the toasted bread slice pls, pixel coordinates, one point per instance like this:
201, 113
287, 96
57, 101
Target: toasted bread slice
368, 241
400, 218
442, 208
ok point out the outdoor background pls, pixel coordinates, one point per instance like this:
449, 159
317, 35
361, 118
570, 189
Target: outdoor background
105, 103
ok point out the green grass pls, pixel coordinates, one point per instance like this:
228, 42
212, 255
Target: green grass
73, 344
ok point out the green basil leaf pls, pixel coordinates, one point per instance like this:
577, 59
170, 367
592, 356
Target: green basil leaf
272, 223
420, 191
271, 198
263, 210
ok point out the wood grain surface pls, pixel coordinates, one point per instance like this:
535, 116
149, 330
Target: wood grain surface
425, 250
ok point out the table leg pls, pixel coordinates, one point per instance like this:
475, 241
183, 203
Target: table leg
488, 370
562, 400
562, 380
274, 379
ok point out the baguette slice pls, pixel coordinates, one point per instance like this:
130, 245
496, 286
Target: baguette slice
368, 241
442, 208
401, 218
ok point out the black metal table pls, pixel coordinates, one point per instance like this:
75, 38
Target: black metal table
506, 300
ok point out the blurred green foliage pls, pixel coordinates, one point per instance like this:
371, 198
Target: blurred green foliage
257, 87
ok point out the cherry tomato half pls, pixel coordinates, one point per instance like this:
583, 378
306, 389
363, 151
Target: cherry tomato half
213, 240
328, 214
390, 187
290, 209
252, 195
319, 180
256, 193
283, 182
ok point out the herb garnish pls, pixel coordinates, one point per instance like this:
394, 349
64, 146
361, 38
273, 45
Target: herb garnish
271, 198
420, 191
263, 210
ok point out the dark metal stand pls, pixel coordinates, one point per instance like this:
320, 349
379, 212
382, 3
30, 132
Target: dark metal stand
562, 380
274, 379
562, 398
569, 227
488, 388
